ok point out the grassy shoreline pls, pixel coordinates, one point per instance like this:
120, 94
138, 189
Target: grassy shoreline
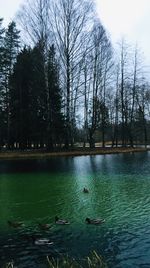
92, 261
10, 155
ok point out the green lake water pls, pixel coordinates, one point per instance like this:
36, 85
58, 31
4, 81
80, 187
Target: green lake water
35, 191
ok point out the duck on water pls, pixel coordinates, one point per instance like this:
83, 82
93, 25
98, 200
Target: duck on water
85, 190
44, 226
61, 221
94, 221
42, 241
15, 224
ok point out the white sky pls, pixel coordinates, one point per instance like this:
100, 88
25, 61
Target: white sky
129, 18
124, 16
8, 9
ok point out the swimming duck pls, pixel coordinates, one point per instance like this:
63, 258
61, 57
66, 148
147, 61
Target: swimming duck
15, 224
41, 241
85, 190
44, 226
61, 221
94, 221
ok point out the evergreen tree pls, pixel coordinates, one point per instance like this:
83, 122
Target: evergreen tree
2, 122
20, 96
39, 98
2, 30
11, 47
11, 42
32, 123
55, 119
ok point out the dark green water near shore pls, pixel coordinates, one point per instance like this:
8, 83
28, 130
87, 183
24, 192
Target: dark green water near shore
35, 191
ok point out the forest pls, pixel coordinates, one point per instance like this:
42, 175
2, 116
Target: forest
63, 83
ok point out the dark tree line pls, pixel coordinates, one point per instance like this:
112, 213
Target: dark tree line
36, 120
26, 120
64, 84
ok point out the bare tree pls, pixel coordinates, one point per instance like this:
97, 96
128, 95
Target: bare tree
70, 24
124, 90
101, 64
136, 84
33, 18
115, 122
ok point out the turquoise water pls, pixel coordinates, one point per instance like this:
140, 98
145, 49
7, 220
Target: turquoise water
37, 190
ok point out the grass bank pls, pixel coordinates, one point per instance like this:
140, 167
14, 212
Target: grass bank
92, 261
37, 154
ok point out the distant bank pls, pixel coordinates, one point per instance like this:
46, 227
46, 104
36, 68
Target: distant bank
32, 154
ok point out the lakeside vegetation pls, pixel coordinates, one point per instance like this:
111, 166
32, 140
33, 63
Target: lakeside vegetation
62, 82
92, 261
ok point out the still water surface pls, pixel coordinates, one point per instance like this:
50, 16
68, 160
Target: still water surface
35, 191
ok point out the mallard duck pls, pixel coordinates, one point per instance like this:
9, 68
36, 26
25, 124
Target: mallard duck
61, 221
44, 226
85, 190
94, 221
41, 241
15, 224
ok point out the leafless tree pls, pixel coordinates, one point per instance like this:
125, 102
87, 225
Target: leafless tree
101, 64
33, 18
124, 83
70, 25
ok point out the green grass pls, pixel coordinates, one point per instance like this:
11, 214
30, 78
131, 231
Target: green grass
92, 261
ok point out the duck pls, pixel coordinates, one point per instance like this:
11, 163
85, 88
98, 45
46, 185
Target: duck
41, 241
61, 221
85, 190
94, 221
44, 226
15, 224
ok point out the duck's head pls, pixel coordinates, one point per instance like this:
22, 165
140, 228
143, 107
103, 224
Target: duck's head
56, 218
88, 220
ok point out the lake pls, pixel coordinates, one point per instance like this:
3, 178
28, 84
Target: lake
36, 191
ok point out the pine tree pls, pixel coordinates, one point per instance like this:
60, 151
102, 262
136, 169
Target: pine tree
20, 96
35, 119
11, 48
55, 119
28, 100
39, 98
2, 30
2, 121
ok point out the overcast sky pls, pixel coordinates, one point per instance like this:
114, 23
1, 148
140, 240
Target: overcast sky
129, 18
